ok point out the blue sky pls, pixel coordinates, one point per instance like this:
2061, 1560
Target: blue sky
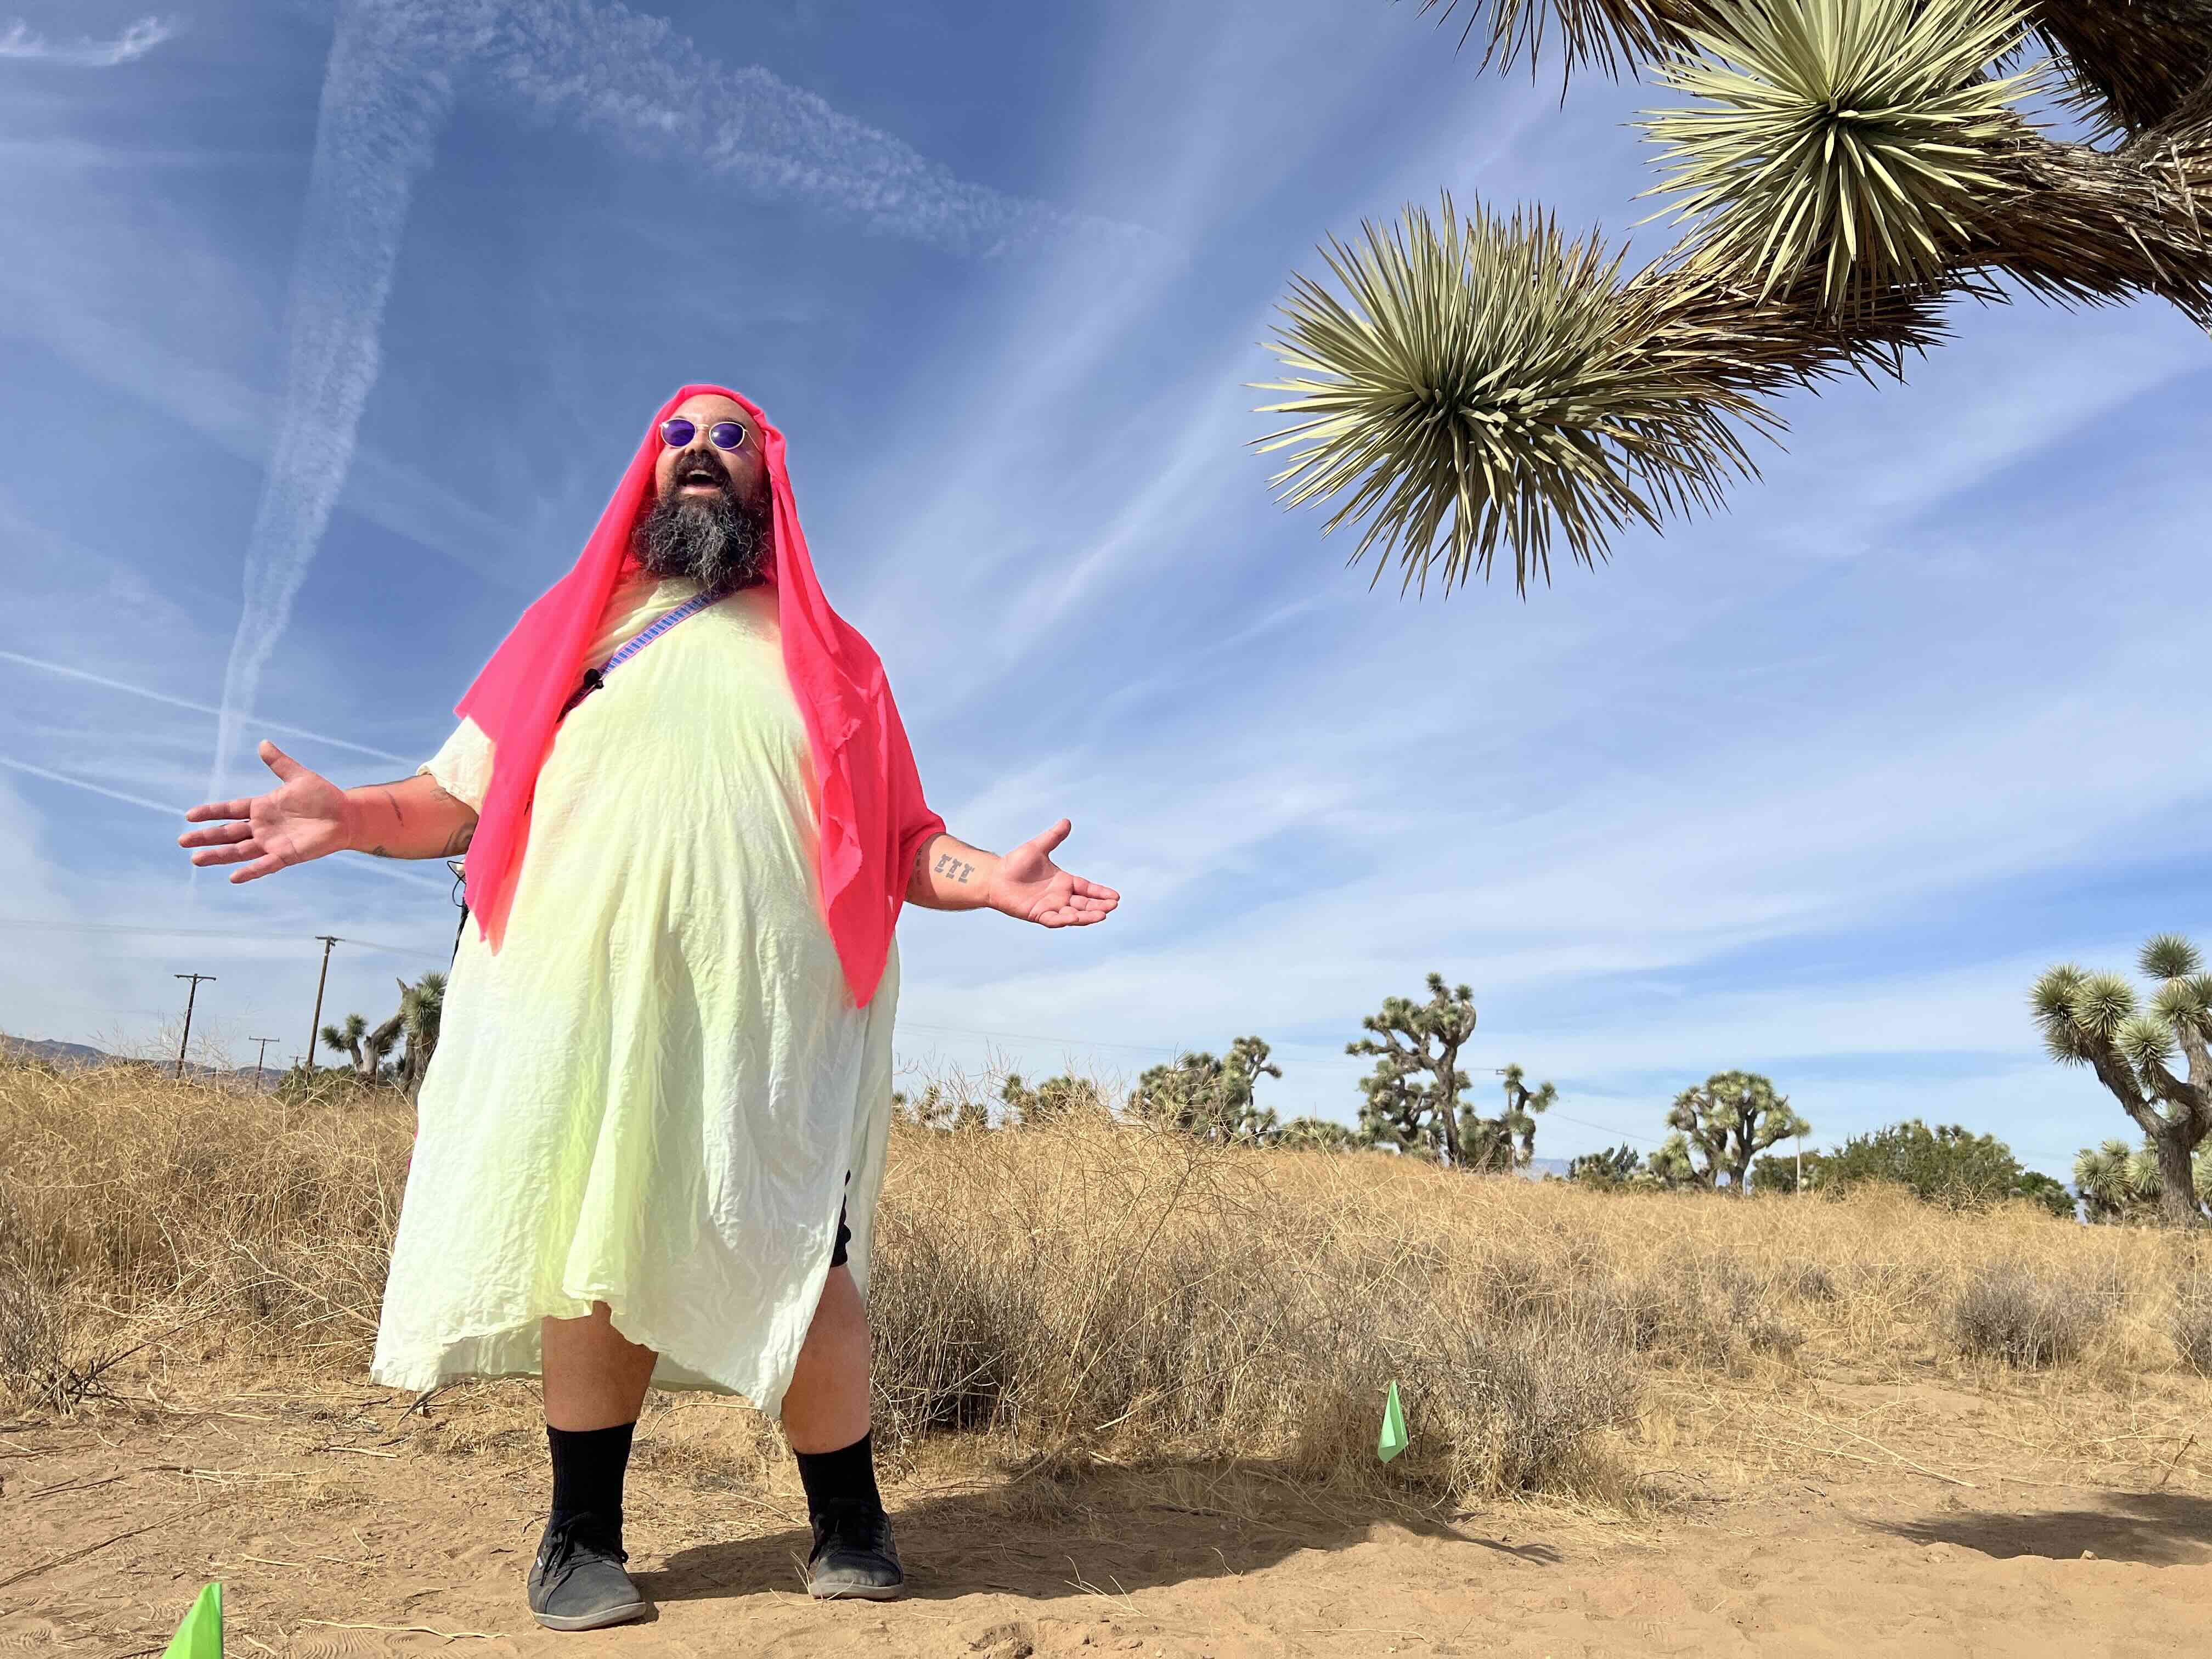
335, 323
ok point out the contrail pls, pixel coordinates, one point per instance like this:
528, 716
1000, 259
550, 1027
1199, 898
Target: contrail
636, 79
177, 813
386, 91
197, 707
136, 41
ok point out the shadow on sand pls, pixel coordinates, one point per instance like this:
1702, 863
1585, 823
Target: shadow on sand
2155, 1529
1110, 1532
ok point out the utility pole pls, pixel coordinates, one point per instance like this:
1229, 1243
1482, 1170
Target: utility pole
264, 1042
316, 1024
191, 997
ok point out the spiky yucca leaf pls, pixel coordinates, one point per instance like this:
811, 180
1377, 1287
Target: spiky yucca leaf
1488, 383
2101, 1004
1852, 136
1610, 34
2052, 998
2144, 1038
2168, 956
2180, 1003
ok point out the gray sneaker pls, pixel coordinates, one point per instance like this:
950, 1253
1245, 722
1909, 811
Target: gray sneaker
577, 1581
855, 1557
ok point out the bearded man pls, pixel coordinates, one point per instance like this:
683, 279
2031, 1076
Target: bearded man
657, 1112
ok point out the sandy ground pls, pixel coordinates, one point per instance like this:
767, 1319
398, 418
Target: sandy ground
338, 1530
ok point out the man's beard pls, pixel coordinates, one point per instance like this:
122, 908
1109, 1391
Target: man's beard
711, 538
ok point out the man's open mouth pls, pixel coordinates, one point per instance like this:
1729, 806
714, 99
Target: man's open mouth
693, 476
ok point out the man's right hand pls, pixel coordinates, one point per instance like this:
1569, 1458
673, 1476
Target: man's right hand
305, 817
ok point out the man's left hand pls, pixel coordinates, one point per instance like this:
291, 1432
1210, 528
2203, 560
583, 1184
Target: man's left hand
1030, 887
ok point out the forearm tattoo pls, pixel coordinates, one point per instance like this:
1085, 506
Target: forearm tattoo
456, 843
949, 865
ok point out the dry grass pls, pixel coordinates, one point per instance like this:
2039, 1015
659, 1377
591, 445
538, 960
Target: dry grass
1094, 1294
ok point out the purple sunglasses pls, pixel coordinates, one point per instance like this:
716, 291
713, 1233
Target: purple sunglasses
677, 433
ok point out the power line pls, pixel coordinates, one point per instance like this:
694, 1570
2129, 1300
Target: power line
38, 924
1033, 1036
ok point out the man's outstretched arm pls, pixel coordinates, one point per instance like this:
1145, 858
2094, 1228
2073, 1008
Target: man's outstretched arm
309, 817
949, 874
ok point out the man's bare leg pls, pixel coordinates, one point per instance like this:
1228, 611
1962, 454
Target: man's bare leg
595, 1379
825, 1417
826, 1406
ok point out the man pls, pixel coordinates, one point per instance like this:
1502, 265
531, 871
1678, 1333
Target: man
657, 1112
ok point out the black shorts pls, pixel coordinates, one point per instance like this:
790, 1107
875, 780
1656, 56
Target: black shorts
844, 1233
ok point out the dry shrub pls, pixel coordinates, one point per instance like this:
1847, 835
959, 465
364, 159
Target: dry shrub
1090, 1291
154, 1199
1115, 1291
2028, 1318
1699, 1308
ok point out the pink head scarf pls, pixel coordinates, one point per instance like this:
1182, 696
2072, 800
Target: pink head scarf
873, 818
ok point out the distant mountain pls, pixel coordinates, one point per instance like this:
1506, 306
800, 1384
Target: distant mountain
1539, 1167
82, 1053
59, 1053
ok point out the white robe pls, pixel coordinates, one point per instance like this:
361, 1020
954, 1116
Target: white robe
652, 1094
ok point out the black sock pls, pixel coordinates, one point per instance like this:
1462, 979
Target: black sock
845, 1478
588, 1465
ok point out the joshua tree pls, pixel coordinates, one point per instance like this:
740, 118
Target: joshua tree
1317, 1135
377, 1045
1210, 1098
933, 1111
1417, 1041
422, 1011
1672, 1166
347, 1038
1616, 1166
1846, 171
1413, 1094
2117, 1184
1729, 1119
2091, 1020
1507, 1141
1054, 1099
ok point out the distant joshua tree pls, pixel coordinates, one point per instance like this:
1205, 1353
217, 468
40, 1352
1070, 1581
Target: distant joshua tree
2118, 1184
1319, 1134
1507, 1141
1617, 1166
1414, 1096
1210, 1098
350, 1039
1726, 1122
422, 1013
1847, 171
1051, 1101
2093, 1020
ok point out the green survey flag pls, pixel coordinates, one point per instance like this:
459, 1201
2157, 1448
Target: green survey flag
200, 1637
1394, 1427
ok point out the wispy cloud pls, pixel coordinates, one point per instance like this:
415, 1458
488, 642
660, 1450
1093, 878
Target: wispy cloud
174, 702
386, 91
52, 776
639, 80
385, 94
17, 42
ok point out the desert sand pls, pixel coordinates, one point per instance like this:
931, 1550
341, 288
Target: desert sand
346, 1525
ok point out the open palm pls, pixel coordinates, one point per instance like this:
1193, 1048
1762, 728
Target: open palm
304, 817
1030, 887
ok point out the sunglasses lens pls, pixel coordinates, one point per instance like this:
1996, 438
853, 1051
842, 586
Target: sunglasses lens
726, 435
678, 432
